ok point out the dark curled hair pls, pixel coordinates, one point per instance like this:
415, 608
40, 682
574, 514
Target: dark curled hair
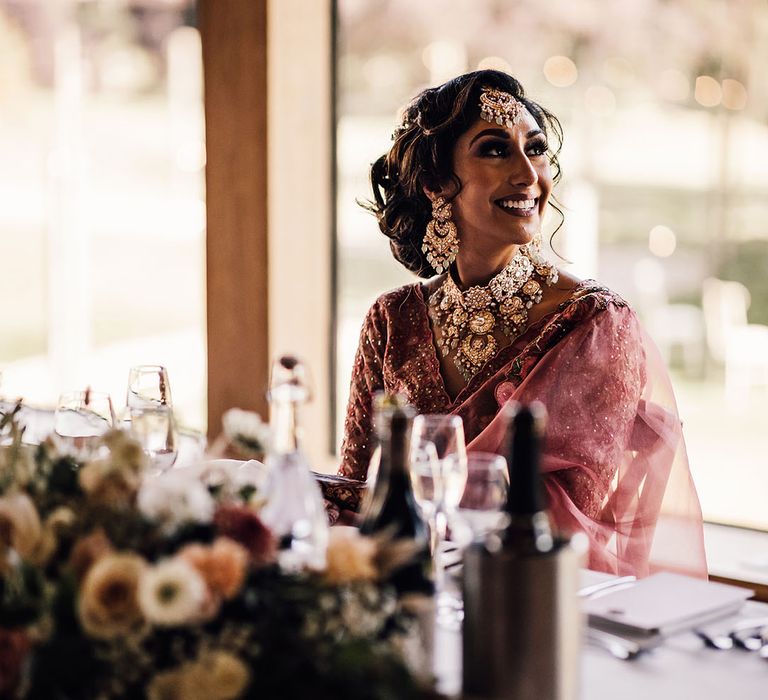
422, 153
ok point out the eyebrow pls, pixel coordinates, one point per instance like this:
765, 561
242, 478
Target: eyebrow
502, 133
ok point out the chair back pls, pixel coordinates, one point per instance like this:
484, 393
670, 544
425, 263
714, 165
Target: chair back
725, 307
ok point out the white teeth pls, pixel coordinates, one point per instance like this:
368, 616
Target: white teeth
518, 203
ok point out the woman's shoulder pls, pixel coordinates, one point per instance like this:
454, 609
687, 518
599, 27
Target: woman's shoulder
592, 292
573, 296
393, 301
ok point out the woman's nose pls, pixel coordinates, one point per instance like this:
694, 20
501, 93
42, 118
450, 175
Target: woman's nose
523, 173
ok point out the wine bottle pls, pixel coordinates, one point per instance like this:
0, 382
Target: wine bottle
528, 529
294, 509
391, 509
521, 616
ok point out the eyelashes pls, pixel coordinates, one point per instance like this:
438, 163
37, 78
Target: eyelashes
497, 148
537, 147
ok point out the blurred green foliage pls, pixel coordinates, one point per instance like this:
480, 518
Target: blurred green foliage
747, 262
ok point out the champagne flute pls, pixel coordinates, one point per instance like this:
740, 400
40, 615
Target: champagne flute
425, 481
434, 439
151, 412
441, 436
81, 419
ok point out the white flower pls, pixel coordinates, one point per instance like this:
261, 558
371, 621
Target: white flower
246, 430
172, 593
175, 498
231, 477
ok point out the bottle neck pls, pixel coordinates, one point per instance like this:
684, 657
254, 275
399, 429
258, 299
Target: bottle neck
284, 426
529, 528
524, 497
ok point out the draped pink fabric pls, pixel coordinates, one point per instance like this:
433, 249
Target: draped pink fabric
614, 460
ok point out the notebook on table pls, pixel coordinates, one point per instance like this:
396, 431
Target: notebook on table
664, 604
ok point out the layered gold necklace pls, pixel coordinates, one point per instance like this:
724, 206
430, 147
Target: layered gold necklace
467, 319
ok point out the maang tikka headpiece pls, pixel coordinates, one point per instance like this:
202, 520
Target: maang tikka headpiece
499, 107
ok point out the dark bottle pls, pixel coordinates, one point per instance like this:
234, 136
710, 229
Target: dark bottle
391, 509
528, 530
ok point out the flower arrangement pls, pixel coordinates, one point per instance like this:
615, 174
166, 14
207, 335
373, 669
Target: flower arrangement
113, 585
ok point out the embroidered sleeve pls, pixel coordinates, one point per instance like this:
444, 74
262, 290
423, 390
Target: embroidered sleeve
367, 379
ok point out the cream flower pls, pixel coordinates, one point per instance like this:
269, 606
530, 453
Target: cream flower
20, 526
222, 565
114, 480
58, 521
350, 556
223, 676
108, 598
172, 593
246, 431
216, 675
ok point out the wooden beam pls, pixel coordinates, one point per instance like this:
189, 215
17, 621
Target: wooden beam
234, 39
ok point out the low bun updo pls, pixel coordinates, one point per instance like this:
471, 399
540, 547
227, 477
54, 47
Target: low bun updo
421, 156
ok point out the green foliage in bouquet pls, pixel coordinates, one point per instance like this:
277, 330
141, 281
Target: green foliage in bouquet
113, 585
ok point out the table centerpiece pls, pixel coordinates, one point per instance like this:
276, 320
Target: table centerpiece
116, 584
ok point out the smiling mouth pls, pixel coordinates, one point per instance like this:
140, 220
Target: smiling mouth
518, 207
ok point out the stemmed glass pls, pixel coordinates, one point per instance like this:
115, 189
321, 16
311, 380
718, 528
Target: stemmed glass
438, 483
480, 510
80, 420
151, 412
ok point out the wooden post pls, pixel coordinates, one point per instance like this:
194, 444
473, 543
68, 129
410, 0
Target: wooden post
234, 38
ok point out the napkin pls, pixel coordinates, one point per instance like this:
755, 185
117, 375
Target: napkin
664, 603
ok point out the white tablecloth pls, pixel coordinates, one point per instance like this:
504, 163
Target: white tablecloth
680, 669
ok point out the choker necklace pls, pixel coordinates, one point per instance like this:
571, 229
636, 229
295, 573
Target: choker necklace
468, 319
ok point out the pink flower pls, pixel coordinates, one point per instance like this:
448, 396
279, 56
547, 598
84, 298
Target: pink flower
222, 565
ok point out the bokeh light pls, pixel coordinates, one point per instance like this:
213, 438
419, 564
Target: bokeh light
734, 94
561, 71
495, 63
662, 241
707, 92
445, 60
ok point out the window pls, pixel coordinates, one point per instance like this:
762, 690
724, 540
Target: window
103, 216
665, 177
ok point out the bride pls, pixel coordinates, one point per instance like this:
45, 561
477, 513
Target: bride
461, 195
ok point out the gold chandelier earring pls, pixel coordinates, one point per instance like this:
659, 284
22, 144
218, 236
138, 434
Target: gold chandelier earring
441, 241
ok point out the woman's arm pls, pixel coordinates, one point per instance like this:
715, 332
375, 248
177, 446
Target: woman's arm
367, 379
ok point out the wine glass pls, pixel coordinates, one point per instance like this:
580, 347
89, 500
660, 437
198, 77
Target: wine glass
434, 439
80, 420
151, 413
480, 509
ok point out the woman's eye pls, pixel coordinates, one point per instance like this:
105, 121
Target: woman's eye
537, 148
494, 149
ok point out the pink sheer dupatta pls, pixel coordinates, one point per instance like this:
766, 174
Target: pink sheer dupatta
615, 462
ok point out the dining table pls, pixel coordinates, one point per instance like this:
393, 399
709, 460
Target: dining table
680, 667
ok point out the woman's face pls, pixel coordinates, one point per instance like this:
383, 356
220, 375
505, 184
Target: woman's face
506, 183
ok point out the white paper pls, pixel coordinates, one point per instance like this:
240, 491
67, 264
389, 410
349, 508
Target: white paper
664, 603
